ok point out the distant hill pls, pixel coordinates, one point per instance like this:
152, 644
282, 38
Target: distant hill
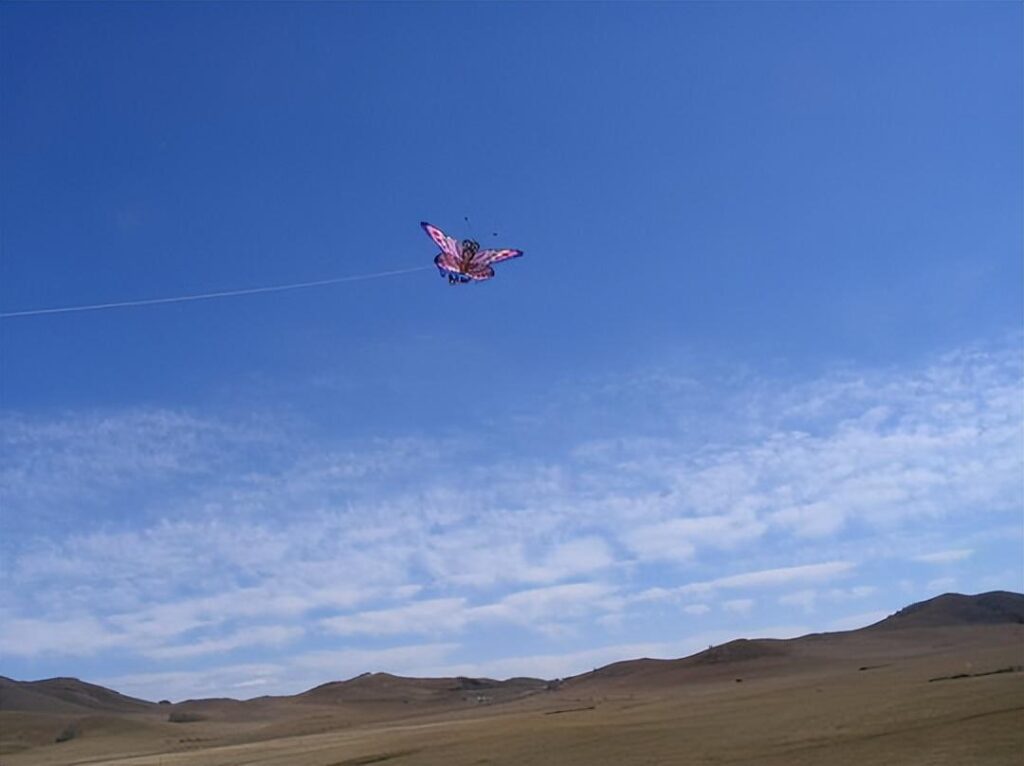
765, 655
385, 687
71, 696
998, 606
713, 661
65, 695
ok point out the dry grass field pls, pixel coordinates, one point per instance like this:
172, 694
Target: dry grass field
931, 685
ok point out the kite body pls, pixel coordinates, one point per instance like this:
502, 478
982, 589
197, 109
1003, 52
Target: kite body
465, 262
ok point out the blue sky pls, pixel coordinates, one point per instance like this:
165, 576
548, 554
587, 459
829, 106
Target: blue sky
758, 373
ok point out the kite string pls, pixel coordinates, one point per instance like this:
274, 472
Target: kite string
209, 296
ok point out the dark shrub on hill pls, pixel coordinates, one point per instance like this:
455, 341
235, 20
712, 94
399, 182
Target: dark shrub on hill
185, 717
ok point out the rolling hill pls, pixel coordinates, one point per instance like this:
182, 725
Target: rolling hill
936, 682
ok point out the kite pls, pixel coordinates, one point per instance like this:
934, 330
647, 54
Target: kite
459, 262
466, 262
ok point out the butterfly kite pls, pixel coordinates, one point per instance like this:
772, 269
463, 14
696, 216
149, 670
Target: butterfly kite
466, 262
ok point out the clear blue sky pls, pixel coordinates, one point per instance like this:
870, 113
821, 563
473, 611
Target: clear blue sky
760, 361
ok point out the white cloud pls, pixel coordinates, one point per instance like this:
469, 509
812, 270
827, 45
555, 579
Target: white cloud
738, 605
79, 636
679, 538
762, 578
805, 599
465, 558
558, 602
856, 592
945, 557
814, 519
156, 630
771, 578
941, 585
544, 609
697, 609
438, 615
261, 635
79, 458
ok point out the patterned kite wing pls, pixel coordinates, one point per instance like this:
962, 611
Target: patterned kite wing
449, 257
487, 257
479, 272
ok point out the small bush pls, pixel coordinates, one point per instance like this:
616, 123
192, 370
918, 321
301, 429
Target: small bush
68, 732
185, 717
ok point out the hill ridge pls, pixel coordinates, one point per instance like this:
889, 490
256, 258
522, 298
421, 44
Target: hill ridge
991, 607
71, 695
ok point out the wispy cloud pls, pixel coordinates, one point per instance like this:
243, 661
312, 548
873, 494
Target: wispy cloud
537, 607
804, 599
439, 615
738, 605
945, 557
940, 584
59, 465
770, 578
763, 578
33, 637
263, 635
678, 539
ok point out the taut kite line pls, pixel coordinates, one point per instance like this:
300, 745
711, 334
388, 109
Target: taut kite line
209, 296
459, 262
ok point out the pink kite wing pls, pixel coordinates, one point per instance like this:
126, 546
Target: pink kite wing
448, 245
488, 257
447, 262
479, 272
